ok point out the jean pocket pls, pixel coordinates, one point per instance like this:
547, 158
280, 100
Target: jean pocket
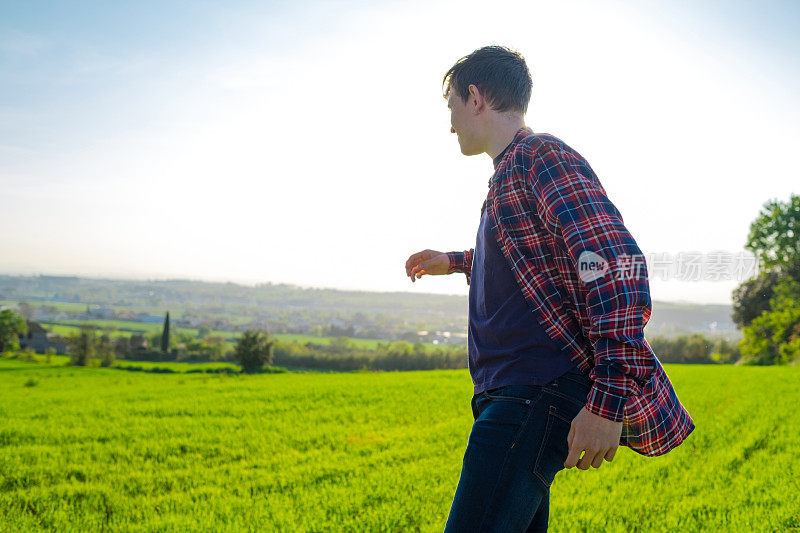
524, 394
581, 379
572, 389
553, 450
500, 422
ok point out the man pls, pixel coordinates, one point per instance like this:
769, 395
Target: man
558, 301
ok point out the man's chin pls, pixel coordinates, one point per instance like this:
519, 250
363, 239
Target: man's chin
467, 151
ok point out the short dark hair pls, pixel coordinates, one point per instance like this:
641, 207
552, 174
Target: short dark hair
498, 72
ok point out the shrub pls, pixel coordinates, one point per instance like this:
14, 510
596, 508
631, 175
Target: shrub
254, 350
83, 346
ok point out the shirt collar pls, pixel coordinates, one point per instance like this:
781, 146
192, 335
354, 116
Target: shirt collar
499, 159
521, 133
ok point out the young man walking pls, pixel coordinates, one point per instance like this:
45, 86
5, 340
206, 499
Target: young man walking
558, 301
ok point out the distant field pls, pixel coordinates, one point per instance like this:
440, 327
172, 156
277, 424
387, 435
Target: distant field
93, 449
175, 367
362, 343
125, 329
63, 360
61, 306
59, 329
81, 306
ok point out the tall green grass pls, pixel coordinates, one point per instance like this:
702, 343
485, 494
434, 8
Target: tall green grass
91, 449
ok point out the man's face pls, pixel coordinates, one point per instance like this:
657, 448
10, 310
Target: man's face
463, 124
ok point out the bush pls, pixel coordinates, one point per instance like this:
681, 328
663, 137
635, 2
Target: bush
29, 355
105, 351
694, 348
254, 350
398, 355
82, 346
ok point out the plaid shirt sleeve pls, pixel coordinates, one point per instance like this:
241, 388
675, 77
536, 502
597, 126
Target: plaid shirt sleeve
574, 208
461, 262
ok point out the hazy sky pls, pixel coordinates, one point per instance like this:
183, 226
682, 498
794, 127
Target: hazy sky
308, 142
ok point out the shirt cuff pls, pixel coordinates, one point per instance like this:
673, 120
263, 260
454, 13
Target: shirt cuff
605, 403
456, 262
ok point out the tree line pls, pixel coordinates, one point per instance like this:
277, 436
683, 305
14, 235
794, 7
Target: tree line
257, 349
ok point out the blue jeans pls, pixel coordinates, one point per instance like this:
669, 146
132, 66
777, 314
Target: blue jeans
517, 445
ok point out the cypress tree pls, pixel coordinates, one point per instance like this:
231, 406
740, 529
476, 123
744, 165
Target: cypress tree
165, 335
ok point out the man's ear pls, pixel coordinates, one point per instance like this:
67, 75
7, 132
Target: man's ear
476, 101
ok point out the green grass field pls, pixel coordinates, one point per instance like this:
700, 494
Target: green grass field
61, 306
91, 449
125, 329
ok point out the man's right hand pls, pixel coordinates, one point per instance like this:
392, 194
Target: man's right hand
427, 262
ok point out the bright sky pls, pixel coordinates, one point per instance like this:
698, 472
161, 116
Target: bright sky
308, 142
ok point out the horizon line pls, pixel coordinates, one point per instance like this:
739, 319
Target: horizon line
254, 284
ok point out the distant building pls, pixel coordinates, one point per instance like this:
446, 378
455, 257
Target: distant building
37, 340
440, 337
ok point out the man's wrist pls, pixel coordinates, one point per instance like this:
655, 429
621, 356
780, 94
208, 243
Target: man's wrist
456, 262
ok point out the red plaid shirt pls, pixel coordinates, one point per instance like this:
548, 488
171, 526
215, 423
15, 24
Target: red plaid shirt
551, 215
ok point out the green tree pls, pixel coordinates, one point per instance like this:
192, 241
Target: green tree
215, 347
254, 350
767, 308
82, 346
775, 236
401, 348
725, 352
105, 350
341, 345
751, 298
137, 342
154, 340
122, 346
12, 325
165, 335
203, 332
774, 336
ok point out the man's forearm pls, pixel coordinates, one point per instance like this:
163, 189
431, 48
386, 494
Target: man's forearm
619, 307
615, 378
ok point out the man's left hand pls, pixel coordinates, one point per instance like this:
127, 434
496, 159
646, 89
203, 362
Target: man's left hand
595, 434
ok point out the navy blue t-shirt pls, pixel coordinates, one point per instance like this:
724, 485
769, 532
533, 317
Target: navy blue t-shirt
506, 344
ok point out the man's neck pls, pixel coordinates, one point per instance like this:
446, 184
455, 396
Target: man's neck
503, 132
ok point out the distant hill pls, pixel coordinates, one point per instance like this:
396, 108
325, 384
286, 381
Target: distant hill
285, 308
671, 319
